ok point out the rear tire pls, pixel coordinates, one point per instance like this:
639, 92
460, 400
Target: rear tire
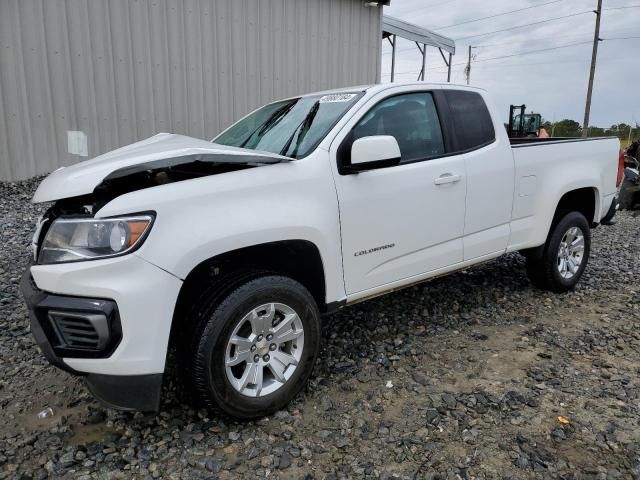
559, 265
253, 351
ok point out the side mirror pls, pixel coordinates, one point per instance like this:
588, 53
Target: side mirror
368, 153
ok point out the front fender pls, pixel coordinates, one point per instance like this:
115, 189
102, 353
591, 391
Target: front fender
205, 217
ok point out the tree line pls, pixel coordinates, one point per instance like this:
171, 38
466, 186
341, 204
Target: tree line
571, 128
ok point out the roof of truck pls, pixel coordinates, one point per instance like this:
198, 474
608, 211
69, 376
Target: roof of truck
386, 86
381, 87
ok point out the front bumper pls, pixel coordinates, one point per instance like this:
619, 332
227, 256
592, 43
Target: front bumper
34, 297
132, 303
67, 326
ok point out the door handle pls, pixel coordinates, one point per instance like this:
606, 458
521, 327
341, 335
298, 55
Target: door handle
447, 178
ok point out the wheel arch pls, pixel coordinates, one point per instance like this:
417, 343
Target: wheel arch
297, 259
585, 200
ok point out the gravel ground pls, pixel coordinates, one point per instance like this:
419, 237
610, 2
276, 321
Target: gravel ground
476, 375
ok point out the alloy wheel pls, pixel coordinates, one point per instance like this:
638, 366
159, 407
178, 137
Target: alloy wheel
264, 349
570, 253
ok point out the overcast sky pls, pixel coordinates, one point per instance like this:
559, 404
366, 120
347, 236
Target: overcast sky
553, 82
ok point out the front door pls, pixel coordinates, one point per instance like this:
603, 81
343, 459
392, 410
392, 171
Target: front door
402, 221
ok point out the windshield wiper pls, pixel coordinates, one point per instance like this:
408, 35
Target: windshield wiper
271, 122
304, 128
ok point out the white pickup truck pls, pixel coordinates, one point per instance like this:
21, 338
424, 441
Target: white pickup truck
231, 250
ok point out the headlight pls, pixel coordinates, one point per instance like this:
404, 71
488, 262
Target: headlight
77, 239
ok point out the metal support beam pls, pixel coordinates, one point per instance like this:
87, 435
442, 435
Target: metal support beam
447, 63
393, 58
445, 58
423, 51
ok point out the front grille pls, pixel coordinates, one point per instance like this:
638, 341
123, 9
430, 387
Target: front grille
80, 331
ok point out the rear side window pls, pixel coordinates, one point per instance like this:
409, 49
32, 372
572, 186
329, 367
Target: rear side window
471, 119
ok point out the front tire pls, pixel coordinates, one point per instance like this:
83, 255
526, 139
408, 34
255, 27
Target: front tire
254, 351
559, 265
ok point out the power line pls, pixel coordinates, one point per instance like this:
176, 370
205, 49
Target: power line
498, 15
519, 54
440, 70
408, 72
560, 62
526, 25
402, 50
530, 24
528, 52
512, 11
413, 48
621, 8
524, 65
529, 38
426, 6
501, 65
505, 44
501, 44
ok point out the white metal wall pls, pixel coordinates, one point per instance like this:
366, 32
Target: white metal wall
123, 70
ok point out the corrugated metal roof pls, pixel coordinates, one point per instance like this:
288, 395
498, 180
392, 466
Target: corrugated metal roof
415, 33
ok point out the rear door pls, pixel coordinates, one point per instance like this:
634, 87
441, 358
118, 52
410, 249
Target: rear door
490, 168
401, 221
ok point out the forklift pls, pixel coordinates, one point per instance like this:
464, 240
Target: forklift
523, 124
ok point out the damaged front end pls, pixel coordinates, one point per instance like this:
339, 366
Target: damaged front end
83, 189
138, 177
83, 313
178, 169
160, 159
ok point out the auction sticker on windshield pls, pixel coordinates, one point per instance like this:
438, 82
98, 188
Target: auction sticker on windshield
338, 98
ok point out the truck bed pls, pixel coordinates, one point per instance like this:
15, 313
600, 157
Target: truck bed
557, 165
533, 141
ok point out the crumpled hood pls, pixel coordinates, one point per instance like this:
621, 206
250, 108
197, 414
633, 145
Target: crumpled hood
82, 178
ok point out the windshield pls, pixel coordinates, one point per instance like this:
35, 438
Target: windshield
292, 128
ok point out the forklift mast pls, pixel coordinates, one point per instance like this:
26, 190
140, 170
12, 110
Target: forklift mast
516, 122
523, 124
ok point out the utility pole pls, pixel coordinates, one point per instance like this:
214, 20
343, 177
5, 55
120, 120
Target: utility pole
467, 70
592, 73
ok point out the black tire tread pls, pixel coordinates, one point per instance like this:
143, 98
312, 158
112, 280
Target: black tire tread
207, 324
541, 265
207, 300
